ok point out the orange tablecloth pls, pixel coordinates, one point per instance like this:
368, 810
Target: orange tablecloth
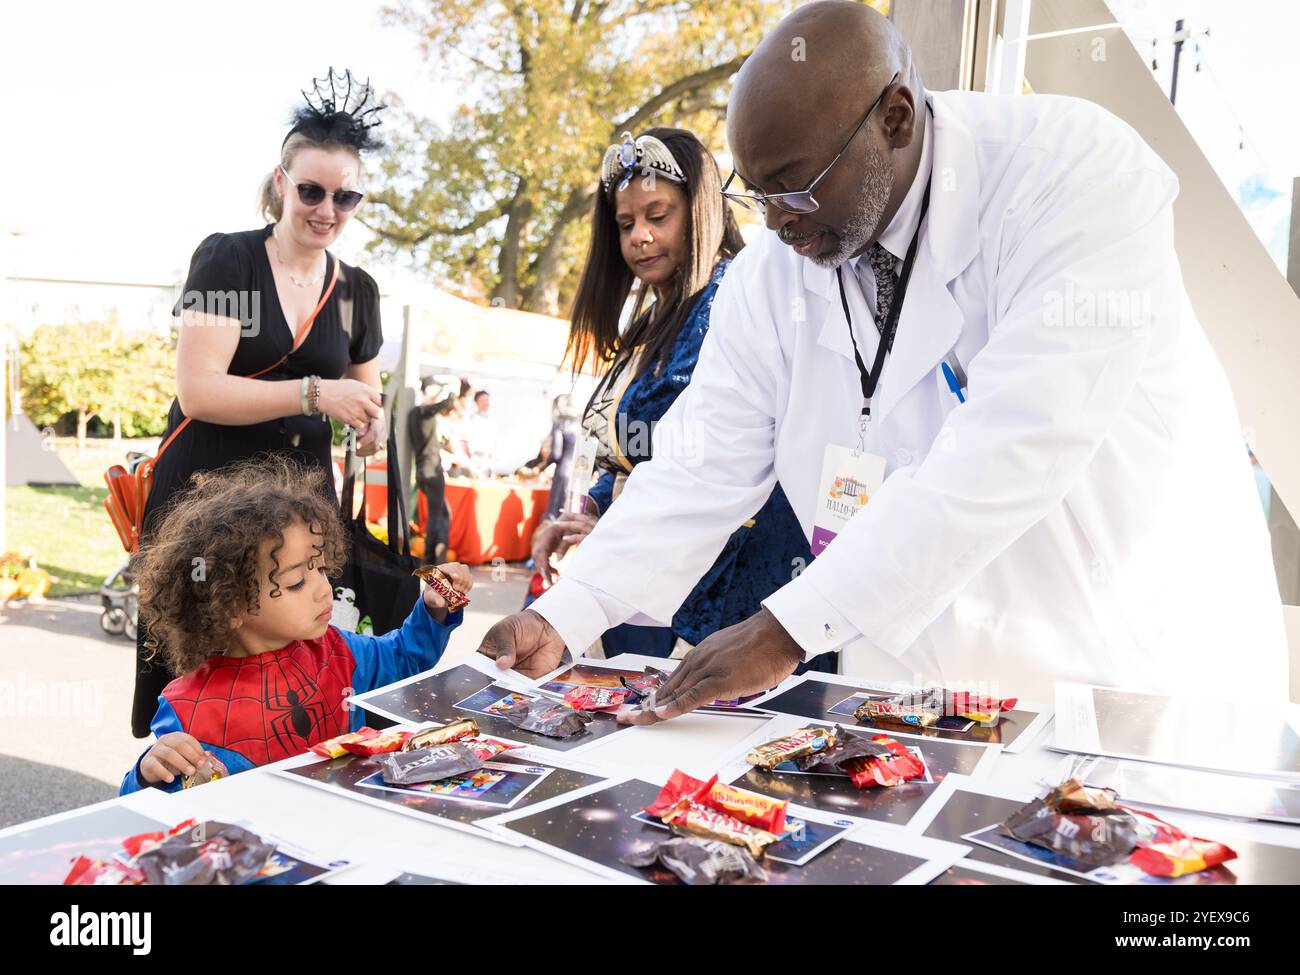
490, 519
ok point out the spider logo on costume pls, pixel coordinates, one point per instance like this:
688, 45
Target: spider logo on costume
294, 704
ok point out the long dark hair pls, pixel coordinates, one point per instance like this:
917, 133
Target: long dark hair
606, 281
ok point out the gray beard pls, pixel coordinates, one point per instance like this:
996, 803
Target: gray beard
877, 185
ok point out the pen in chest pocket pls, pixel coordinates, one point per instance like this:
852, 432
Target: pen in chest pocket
955, 376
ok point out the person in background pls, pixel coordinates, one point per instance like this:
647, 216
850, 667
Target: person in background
456, 459
283, 270
557, 451
429, 479
661, 223
482, 433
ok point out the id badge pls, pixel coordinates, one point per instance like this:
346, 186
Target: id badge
849, 479
584, 465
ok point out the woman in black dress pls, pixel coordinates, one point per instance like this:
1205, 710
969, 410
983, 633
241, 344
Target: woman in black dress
245, 298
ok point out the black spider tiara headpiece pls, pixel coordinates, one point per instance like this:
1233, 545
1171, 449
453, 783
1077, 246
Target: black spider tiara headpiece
339, 109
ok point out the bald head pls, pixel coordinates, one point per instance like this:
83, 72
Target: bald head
799, 97
819, 51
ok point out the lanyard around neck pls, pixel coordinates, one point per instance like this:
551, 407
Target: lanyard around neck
872, 377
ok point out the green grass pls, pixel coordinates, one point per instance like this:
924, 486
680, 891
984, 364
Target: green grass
67, 528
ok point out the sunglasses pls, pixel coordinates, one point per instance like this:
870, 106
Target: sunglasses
311, 194
798, 201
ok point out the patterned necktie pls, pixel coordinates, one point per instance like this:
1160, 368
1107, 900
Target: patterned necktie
882, 266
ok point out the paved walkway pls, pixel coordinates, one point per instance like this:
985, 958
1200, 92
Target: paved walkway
65, 696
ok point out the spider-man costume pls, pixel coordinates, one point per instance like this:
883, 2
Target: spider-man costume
249, 711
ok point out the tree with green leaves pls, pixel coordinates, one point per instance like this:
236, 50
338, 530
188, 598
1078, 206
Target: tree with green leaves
498, 199
126, 378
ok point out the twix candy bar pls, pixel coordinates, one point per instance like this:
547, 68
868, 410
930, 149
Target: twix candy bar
802, 741
692, 819
440, 583
426, 738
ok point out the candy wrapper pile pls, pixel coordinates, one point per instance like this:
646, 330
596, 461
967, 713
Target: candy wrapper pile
869, 760
550, 718
190, 854
424, 755
722, 831
1088, 825
924, 707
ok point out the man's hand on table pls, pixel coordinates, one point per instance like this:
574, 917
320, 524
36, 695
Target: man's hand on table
526, 642
747, 658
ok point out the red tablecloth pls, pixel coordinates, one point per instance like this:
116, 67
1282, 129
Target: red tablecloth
490, 519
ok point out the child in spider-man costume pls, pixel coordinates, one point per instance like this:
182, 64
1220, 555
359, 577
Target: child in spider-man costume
235, 587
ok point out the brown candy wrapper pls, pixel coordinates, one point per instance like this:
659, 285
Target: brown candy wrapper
440, 583
700, 862
800, 742
209, 854
1098, 836
694, 819
428, 764
891, 712
546, 718
848, 745
1073, 796
428, 737
1088, 824
209, 771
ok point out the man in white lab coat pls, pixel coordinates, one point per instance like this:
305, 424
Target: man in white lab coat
1066, 491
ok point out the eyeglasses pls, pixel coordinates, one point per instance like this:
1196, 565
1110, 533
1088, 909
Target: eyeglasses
798, 201
312, 194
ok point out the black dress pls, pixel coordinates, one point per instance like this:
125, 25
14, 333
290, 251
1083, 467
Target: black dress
230, 275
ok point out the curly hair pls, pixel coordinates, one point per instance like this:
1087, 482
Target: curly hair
200, 568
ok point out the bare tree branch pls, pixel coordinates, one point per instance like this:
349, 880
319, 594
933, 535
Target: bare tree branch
682, 86
481, 219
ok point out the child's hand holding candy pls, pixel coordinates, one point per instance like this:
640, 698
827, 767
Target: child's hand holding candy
449, 574
173, 754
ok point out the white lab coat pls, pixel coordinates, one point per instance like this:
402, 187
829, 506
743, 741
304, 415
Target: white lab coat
1088, 514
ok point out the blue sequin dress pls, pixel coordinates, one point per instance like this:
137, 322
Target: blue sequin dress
757, 560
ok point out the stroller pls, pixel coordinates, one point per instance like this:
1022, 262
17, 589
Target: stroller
119, 594
120, 598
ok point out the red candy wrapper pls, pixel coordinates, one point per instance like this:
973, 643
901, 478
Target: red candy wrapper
869, 771
1166, 851
142, 842
750, 808
584, 698
99, 873
981, 708
487, 748
333, 747
382, 743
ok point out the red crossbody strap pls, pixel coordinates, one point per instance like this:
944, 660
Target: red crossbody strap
298, 340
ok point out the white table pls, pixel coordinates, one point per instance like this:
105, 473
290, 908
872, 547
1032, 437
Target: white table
382, 842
